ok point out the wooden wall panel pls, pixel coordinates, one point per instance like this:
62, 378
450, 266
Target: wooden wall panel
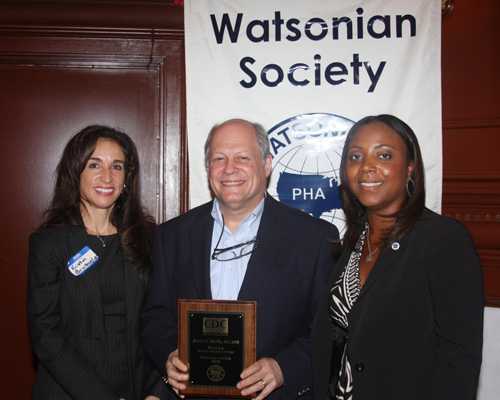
471, 150
46, 105
63, 67
471, 122
42, 108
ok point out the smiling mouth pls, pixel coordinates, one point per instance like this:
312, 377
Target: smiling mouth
104, 190
370, 184
232, 183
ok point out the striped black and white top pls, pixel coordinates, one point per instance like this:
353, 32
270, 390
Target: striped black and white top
343, 295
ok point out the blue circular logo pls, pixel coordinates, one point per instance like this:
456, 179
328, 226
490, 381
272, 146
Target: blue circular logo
306, 150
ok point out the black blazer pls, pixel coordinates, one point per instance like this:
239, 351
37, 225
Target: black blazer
415, 331
66, 320
286, 272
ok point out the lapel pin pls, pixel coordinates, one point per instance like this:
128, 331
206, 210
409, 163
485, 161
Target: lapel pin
395, 246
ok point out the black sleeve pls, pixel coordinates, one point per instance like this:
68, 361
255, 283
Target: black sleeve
457, 295
295, 360
159, 317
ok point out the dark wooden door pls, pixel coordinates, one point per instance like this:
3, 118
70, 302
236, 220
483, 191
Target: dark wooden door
55, 80
41, 108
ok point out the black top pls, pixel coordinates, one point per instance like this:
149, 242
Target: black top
85, 327
415, 331
116, 371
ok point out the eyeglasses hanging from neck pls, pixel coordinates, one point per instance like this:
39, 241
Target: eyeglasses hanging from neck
234, 252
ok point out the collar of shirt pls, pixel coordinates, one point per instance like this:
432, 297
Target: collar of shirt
226, 277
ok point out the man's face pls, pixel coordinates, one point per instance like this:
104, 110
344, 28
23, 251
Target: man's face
236, 171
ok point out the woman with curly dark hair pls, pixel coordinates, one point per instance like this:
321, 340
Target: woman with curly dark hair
403, 315
89, 263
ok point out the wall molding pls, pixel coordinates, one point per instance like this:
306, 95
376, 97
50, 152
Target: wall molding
477, 191
103, 14
474, 200
468, 123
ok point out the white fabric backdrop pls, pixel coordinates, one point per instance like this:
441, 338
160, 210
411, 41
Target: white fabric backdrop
397, 73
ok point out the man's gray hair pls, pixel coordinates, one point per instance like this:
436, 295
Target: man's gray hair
260, 135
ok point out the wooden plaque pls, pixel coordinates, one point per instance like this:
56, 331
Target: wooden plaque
217, 340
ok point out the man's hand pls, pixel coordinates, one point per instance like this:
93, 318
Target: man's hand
177, 372
263, 376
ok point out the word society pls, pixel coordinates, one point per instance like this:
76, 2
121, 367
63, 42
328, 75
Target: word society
231, 29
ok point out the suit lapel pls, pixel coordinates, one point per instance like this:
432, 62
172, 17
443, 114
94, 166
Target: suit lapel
384, 265
261, 258
202, 235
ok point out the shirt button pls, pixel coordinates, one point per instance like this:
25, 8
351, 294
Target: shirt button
360, 367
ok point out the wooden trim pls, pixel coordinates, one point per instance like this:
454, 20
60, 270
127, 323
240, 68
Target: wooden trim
184, 206
455, 124
474, 199
472, 178
493, 301
102, 14
472, 191
174, 147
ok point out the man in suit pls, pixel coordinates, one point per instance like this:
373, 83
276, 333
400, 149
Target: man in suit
243, 245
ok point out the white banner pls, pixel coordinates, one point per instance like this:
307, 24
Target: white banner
307, 70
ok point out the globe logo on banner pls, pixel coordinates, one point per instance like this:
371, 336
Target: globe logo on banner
306, 151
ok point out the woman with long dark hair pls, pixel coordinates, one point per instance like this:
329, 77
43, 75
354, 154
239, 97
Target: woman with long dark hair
403, 315
89, 263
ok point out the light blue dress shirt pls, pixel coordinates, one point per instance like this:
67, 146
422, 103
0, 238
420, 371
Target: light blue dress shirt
226, 277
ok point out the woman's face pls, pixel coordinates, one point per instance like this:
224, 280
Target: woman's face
102, 179
377, 168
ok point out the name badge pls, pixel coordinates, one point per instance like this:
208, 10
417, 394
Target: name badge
82, 261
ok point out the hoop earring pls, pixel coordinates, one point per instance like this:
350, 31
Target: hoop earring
410, 191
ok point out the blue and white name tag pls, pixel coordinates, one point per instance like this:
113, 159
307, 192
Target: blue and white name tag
82, 261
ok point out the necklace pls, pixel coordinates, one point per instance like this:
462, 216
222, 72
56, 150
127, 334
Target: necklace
103, 243
88, 222
371, 253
